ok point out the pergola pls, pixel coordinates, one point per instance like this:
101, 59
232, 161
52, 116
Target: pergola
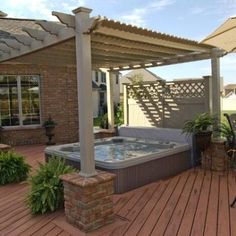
97, 42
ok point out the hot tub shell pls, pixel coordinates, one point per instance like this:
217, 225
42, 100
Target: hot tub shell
134, 172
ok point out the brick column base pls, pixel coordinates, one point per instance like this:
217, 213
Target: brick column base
88, 201
5, 148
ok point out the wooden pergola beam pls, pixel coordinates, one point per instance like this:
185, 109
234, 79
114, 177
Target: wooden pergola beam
154, 41
39, 35
51, 27
66, 19
131, 43
24, 39
121, 49
165, 62
124, 55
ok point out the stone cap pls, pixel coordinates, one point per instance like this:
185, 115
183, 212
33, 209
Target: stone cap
218, 140
83, 182
4, 147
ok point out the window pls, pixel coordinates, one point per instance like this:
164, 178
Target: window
96, 76
19, 101
103, 79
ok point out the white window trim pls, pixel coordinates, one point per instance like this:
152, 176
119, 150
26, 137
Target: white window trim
21, 126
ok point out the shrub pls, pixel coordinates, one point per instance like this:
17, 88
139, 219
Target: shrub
46, 188
104, 121
225, 131
13, 168
119, 114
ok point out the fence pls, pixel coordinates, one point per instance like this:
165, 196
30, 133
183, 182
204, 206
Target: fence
165, 104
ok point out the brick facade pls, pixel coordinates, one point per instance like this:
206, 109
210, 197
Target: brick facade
58, 92
88, 201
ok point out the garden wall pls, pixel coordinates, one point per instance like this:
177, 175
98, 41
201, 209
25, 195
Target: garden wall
166, 104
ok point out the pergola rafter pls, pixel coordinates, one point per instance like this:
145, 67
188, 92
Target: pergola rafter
96, 42
132, 44
118, 46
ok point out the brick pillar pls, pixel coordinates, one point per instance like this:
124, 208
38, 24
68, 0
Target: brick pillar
88, 201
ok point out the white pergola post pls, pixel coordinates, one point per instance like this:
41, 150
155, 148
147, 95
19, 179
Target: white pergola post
215, 85
84, 83
110, 100
125, 104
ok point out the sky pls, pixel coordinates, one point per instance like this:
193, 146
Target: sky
192, 19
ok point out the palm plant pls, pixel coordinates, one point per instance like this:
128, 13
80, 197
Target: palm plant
225, 131
201, 123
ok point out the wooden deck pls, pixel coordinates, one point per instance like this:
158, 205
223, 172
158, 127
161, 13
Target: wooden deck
192, 203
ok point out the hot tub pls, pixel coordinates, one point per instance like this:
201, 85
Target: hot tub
135, 161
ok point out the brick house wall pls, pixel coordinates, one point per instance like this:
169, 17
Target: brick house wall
58, 95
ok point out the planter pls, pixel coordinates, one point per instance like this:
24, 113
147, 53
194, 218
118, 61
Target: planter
217, 156
50, 133
201, 142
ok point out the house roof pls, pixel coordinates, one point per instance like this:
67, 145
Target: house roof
147, 76
115, 45
3, 14
230, 86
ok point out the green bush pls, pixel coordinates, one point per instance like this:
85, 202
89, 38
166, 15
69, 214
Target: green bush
119, 114
13, 168
104, 121
46, 192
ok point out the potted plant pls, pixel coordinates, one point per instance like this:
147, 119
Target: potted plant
201, 129
226, 132
49, 126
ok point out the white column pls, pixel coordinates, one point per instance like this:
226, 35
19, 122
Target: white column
125, 104
215, 85
110, 99
84, 83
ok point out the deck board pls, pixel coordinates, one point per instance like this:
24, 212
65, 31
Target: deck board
232, 195
192, 203
223, 219
212, 210
160, 206
200, 216
166, 215
178, 213
187, 220
137, 224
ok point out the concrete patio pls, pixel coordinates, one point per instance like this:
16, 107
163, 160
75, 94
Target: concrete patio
188, 204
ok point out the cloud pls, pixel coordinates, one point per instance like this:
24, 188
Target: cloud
39, 8
23, 8
229, 62
68, 6
197, 10
223, 9
138, 15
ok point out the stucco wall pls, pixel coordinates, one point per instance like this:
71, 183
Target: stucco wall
95, 103
229, 104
